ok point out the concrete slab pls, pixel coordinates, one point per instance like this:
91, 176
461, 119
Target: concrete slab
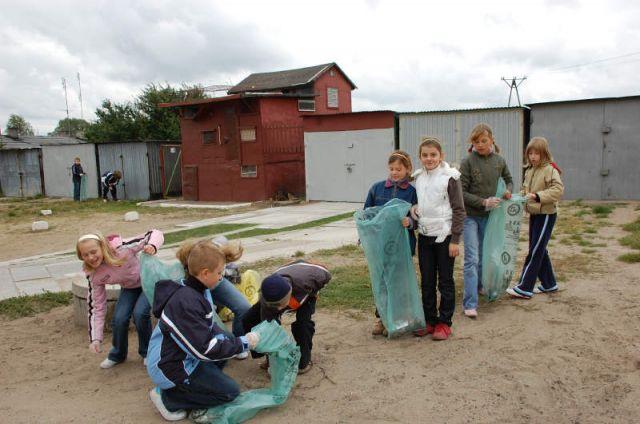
37, 286
5, 276
282, 216
62, 268
31, 272
7, 290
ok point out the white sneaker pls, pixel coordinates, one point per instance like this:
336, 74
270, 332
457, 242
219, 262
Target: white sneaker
108, 363
178, 415
241, 356
471, 313
511, 291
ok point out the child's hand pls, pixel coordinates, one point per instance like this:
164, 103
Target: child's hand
491, 203
95, 346
253, 339
532, 196
405, 222
415, 212
149, 249
506, 195
454, 249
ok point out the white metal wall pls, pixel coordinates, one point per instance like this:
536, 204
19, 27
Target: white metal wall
453, 129
342, 165
56, 165
133, 161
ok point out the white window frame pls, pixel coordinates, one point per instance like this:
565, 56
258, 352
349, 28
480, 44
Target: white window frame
247, 132
247, 172
300, 109
332, 92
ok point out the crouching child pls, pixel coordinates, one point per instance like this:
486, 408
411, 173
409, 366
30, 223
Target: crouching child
188, 350
294, 287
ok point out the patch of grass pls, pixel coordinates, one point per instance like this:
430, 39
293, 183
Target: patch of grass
265, 231
584, 243
576, 237
632, 240
632, 226
566, 241
598, 244
630, 258
603, 210
590, 230
208, 230
346, 251
582, 212
350, 288
577, 202
588, 251
26, 306
298, 254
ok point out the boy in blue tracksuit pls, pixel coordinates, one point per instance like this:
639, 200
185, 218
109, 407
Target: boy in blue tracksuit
187, 349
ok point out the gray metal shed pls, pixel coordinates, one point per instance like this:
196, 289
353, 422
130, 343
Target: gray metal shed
143, 165
452, 127
57, 158
596, 143
20, 168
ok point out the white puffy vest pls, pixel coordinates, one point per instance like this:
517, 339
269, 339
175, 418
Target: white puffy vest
434, 208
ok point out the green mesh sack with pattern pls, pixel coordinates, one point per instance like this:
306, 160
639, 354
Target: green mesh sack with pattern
391, 270
500, 244
284, 356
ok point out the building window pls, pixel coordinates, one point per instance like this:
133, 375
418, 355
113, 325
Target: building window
211, 137
332, 97
249, 171
306, 105
248, 134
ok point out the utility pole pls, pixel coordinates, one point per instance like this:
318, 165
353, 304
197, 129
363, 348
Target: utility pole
80, 97
64, 86
513, 84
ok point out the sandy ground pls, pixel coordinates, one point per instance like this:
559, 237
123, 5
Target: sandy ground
568, 357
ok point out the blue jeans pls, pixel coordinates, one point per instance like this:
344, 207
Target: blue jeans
76, 189
473, 234
206, 387
226, 295
131, 302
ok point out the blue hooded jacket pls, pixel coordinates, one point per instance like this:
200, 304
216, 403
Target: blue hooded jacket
186, 333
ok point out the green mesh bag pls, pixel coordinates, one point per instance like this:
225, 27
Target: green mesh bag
153, 270
284, 356
500, 244
391, 270
83, 187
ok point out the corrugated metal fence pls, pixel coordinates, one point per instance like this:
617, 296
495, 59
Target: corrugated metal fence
454, 127
132, 160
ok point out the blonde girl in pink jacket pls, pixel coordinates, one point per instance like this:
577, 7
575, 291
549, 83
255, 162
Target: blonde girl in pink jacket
113, 260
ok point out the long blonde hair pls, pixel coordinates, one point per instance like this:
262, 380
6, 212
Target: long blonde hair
540, 145
196, 255
109, 254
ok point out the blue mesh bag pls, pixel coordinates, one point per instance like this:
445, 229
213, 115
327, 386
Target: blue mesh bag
500, 244
391, 270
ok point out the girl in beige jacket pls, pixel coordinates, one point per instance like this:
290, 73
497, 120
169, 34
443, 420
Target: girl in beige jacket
543, 189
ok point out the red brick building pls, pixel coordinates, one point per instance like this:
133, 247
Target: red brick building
248, 145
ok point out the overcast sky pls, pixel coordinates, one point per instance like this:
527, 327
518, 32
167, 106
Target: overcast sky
402, 55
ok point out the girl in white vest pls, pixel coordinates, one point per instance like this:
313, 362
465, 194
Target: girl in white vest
440, 214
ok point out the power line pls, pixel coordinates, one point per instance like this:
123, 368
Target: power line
594, 62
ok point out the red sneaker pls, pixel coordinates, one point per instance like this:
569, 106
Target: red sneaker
429, 329
442, 332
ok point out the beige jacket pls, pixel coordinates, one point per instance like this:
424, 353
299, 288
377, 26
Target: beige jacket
543, 180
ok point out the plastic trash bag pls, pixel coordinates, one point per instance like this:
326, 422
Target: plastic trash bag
249, 286
500, 244
284, 356
393, 276
153, 270
83, 187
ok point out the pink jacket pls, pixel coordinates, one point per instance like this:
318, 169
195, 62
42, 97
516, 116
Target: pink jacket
127, 276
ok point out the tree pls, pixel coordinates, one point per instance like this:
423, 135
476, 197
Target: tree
142, 119
72, 127
162, 123
116, 122
19, 124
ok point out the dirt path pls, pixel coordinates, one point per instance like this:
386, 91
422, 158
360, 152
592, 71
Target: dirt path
566, 357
